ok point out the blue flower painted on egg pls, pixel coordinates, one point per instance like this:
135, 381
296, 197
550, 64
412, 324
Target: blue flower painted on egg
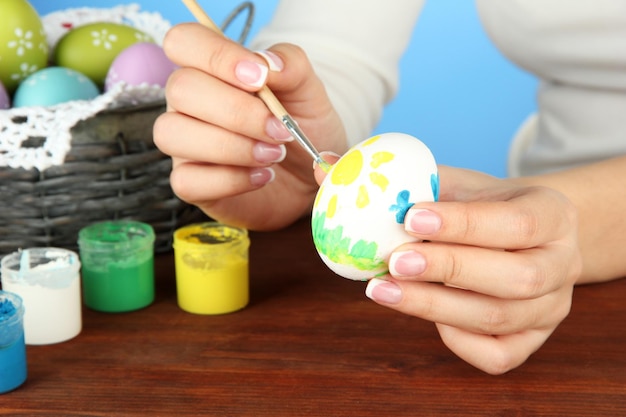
434, 184
402, 205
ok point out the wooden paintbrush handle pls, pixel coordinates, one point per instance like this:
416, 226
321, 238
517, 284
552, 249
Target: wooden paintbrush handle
265, 94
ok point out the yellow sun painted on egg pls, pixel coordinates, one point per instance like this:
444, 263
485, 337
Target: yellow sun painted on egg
332, 207
362, 198
380, 180
380, 158
347, 169
371, 140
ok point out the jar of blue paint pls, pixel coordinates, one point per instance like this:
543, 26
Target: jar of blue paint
12, 345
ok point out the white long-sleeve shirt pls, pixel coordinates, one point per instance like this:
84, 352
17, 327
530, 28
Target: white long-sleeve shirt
577, 49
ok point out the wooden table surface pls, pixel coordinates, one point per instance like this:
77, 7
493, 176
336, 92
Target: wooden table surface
310, 343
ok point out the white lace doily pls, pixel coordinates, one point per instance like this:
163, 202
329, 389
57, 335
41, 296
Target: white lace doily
55, 122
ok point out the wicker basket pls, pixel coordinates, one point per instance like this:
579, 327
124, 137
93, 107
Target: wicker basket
112, 171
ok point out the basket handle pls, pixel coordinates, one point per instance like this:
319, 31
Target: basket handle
245, 31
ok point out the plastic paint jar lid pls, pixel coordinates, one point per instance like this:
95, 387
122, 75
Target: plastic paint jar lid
118, 236
47, 267
202, 235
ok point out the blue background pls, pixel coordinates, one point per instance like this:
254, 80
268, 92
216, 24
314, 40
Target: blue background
458, 94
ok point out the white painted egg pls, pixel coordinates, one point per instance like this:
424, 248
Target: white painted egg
359, 210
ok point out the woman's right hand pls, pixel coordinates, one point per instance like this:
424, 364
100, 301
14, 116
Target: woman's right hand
231, 157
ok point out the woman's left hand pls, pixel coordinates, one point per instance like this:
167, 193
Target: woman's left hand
507, 256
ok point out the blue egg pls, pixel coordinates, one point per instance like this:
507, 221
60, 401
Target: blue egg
54, 85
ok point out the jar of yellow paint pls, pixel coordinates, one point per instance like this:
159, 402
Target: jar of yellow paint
211, 268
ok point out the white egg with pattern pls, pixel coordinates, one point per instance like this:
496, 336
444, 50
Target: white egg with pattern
358, 214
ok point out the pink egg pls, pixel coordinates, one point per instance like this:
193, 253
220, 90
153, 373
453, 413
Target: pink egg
5, 102
141, 63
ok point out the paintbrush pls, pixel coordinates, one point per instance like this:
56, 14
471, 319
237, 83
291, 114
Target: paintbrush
265, 94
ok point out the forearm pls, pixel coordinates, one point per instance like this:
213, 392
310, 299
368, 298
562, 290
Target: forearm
599, 192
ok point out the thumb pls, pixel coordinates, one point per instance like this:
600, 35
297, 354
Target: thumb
304, 96
296, 85
319, 173
460, 184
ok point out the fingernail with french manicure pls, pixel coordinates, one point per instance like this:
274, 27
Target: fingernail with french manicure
330, 154
251, 73
276, 130
261, 176
383, 291
267, 153
421, 221
406, 264
273, 61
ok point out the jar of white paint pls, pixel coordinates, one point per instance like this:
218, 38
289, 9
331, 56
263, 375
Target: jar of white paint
48, 281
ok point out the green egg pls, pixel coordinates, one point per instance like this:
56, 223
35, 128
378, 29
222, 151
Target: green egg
92, 48
23, 45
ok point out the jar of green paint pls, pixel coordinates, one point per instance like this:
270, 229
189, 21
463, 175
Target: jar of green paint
117, 265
